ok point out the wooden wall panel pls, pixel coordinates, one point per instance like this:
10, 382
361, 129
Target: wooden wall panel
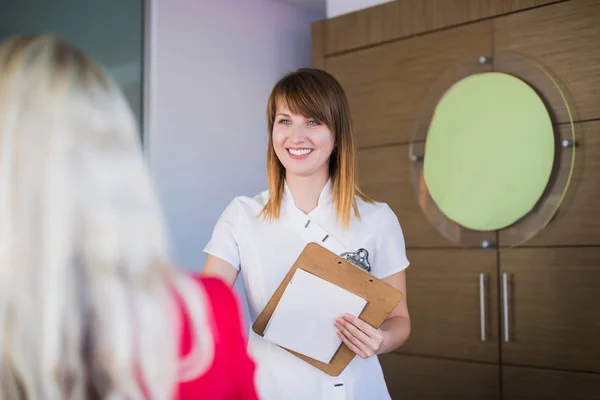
430, 379
443, 296
553, 307
387, 85
317, 47
384, 175
520, 383
565, 39
403, 18
577, 221
553, 316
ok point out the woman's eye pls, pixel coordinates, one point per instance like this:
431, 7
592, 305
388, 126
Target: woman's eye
312, 122
284, 121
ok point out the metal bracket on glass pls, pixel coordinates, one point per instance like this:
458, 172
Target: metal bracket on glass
485, 60
416, 158
487, 244
569, 143
360, 258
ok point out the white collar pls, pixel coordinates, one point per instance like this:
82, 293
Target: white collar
324, 197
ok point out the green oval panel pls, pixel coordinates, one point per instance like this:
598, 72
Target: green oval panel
489, 151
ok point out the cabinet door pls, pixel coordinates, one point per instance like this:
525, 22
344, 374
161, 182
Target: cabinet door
553, 315
444, 300
410, 377
520, 383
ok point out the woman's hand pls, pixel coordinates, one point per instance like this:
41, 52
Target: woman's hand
360, 337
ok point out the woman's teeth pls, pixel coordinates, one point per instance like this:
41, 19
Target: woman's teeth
299, 152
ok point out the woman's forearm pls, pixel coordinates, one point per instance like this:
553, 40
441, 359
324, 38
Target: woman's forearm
396, 331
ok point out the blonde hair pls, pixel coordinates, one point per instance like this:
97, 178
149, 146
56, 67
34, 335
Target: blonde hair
86, 292
316, 94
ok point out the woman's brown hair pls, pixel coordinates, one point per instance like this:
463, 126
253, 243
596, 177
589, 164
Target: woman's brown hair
316, 94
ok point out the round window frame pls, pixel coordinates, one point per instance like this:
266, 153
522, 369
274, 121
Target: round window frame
549, 90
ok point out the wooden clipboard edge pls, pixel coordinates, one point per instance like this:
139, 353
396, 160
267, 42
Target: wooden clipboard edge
336, 366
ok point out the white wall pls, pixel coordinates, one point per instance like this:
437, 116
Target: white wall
212, 66
339, 7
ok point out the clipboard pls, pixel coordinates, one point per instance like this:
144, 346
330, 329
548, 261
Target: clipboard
381, 298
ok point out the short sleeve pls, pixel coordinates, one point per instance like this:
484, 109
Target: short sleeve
390, 252
223, 243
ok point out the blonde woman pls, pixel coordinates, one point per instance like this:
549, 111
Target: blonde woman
313, 197
89, 304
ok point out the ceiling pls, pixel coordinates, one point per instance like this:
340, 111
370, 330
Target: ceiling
318, 6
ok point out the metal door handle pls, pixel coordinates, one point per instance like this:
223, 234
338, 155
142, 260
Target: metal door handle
482, 307
505, 306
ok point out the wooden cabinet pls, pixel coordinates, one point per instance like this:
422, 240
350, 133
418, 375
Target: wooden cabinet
552, 347
553, 312
445, 296
520, 383
423, 378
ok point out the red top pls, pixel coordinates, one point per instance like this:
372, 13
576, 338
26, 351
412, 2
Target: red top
231, 375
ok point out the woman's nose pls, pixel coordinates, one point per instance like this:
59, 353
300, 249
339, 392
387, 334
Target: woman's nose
298, 134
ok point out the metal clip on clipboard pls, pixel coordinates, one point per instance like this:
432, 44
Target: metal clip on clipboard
360, 258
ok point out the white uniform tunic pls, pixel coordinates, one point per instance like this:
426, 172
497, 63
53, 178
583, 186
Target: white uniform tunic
265, 251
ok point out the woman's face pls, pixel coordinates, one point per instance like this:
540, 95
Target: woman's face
302, 144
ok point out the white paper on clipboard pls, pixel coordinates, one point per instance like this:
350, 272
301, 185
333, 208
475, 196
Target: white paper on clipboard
303, 320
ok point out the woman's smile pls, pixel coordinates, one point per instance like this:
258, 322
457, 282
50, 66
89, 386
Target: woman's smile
299, 153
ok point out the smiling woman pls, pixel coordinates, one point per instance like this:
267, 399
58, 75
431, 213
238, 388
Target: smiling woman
313, 197
310, 109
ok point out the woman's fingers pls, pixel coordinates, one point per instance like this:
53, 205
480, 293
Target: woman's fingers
350, 343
